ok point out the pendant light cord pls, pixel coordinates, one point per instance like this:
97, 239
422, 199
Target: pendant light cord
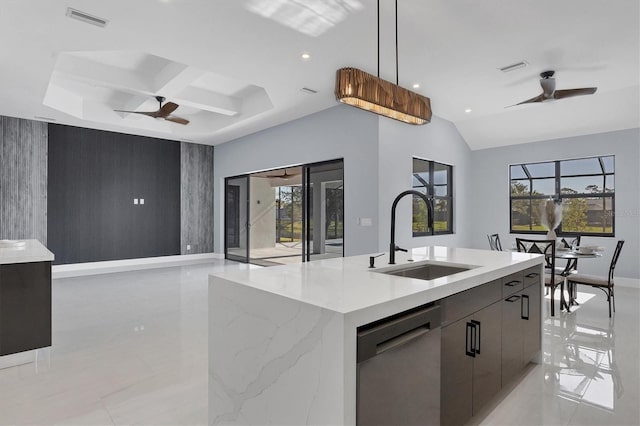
378, 38
397, 83
397, 78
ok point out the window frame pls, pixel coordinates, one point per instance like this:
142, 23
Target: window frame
430, 192
558, 195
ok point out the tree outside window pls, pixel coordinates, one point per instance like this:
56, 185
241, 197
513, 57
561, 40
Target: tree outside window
436, 181
585, 187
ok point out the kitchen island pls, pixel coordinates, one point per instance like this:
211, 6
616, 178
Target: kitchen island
283, 340
25, 300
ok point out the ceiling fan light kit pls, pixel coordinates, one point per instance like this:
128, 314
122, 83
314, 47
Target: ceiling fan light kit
366, 91
371, 93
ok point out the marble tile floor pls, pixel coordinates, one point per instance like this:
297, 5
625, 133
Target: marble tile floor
131, 348
591, 368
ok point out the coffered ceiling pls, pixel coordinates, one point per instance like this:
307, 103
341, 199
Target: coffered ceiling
235, 66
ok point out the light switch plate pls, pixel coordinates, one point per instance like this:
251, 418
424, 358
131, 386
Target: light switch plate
366, 221
135, 201
141, 200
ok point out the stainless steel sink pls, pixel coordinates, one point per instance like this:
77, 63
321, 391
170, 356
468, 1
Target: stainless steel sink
428, 271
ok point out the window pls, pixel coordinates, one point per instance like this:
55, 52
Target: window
585, 186
435, 180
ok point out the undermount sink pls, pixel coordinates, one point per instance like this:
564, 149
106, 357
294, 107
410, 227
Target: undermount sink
429, 271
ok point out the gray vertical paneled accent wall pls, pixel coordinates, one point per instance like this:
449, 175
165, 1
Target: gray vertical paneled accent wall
23, 179
196, 198
94, 178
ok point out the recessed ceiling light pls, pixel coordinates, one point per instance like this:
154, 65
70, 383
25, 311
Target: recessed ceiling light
305, 56
468, 110
416, 86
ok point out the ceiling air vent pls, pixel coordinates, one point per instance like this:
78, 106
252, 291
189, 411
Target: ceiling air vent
85, 17
308, 91
514, 67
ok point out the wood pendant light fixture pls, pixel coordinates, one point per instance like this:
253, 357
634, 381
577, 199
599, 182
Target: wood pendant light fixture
369, 92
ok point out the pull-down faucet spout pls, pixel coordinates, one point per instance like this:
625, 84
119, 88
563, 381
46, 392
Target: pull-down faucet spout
392, 246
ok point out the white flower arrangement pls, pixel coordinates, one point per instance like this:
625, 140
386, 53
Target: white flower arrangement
551, 216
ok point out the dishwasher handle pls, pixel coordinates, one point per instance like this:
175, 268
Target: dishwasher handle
397, 330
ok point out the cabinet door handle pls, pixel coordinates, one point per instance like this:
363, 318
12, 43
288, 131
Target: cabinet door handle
512, 298
478, 336
522, 315
512, 283
469, 338
531, 275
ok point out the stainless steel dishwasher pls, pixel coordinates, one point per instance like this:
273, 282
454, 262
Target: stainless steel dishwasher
399, 369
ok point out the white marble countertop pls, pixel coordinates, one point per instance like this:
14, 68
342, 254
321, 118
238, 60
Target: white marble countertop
346, 285
31, 251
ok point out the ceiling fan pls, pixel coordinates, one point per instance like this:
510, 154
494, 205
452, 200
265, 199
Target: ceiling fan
285, 175
164, 112
549, 92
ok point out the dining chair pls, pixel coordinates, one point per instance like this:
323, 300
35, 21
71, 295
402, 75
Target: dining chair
603, 283
494, 242
572, 264
548, 249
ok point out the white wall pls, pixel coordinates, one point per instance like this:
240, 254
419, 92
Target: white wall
377, 154
489, 190
438, 141
338, 132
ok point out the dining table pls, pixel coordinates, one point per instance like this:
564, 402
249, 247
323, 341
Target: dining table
571, 256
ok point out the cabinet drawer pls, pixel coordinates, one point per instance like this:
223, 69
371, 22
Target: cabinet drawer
531, 276
469, 301
512, 284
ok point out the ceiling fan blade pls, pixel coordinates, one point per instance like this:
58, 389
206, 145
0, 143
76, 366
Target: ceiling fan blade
178, 120
167, 109
561, 94
153, 114
538, 98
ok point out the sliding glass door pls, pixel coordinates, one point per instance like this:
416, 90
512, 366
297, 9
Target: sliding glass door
236, 218
324, 210
287, 215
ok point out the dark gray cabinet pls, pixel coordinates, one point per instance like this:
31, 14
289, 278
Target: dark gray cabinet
512, 339
532, 318
521, 324
25, 307
456, 381
531, 322
471, 348
486, 364
489, 333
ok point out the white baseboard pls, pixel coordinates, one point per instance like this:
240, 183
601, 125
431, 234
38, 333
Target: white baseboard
40, 356
627, 282
94, 268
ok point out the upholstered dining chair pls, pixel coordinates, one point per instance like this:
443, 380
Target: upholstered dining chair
548, 249
603, 283
572, 264
494, 242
